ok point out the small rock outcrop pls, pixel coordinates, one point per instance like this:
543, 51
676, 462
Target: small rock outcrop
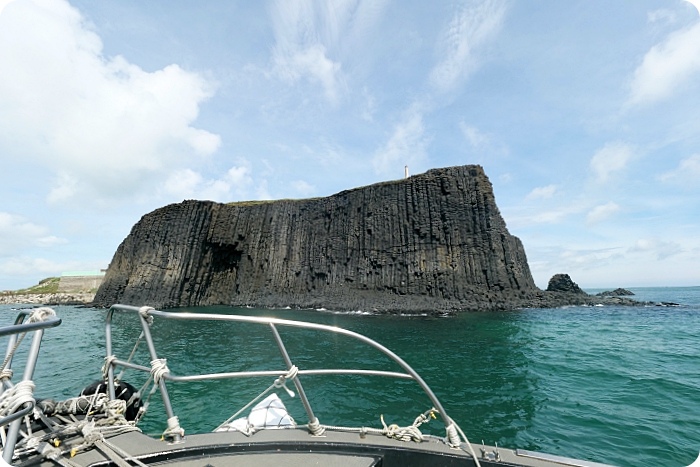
563, 283
619, 292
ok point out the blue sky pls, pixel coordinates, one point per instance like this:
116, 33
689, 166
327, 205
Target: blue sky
584, 115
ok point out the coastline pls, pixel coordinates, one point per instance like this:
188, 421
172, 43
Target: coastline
57, 298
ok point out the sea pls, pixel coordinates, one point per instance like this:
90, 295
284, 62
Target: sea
613, 384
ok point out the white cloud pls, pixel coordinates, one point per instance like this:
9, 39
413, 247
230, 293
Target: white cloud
370, 106
657, 247
102, 125
310, 36
519, 220
687, 173
17, 233
236, 184
602, 212
592, 258
406, 146
31, 267
471, 27
662, 16
476, 138
667, 68
613, 157
303, 188
311, 62
543, 192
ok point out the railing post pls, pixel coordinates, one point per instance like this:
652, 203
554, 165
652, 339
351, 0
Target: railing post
161, 383
13, 430
313, 421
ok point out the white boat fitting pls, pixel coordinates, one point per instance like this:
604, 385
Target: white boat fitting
101, 426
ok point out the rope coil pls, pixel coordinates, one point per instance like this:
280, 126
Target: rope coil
41, 314
159, 368
174, 430
16, 397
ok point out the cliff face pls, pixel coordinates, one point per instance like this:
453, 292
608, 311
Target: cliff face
432, 242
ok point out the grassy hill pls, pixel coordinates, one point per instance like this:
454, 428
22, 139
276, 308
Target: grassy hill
45, 286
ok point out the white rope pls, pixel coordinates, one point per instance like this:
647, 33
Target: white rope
316, 428
159, 368
16, 397
109, 362
281, 382
406, 433
41, 314
174, 429
144, 312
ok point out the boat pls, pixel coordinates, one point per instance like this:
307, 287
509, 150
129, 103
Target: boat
101, 426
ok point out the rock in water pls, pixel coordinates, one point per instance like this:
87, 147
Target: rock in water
563, 283
432, 242
619, 292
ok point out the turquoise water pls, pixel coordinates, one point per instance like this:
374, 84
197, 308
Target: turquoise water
618, 385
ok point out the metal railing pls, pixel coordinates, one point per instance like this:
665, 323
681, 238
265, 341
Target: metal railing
146, 315
17, 332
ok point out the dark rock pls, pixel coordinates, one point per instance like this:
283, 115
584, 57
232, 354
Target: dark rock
563, 283
434, 242
615, 293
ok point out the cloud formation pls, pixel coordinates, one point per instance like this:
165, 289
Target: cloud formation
602, 212
79, 113
667, 68
542, 192
406, 146
310, 36
16, 232
472, 26
687, 173
659, 248
611, 158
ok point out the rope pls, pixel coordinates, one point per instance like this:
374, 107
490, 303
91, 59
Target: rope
174, 430
281, 382
109, 361
406, 433
144, 312
159, 368
316, 428
16, 397
41, 314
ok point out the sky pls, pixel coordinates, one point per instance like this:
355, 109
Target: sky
584, 114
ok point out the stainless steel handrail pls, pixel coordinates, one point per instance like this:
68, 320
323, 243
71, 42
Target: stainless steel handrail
20, 327
273, 323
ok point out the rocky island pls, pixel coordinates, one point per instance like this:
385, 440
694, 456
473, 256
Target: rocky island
434, 242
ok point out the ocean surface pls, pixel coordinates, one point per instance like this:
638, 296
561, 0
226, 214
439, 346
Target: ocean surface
618, 385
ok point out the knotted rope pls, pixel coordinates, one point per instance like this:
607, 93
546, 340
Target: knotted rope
406, 433
16, 397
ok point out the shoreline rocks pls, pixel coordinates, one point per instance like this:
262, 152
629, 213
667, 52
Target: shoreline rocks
49, 299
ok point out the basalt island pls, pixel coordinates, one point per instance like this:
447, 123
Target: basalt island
434, 242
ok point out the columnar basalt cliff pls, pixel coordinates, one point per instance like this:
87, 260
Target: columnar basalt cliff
434, 242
